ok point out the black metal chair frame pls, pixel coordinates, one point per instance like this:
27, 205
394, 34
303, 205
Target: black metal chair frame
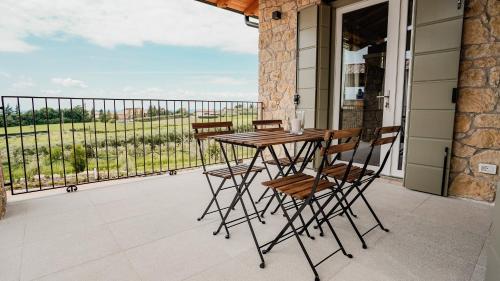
243, 187
364, 180
202, 135
271, 122
311, 198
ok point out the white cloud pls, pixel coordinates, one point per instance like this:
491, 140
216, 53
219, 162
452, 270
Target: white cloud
228, 81
51, 92
69, 82
124, 22
5, 75
22, 83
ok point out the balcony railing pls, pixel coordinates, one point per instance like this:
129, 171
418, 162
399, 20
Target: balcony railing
53, 142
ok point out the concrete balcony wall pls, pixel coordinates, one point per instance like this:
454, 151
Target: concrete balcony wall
3, 196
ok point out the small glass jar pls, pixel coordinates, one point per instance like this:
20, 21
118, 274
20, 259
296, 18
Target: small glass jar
296, 123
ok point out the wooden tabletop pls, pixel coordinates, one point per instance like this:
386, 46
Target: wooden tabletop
263, 139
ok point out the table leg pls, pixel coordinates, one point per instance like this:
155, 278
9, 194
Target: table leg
281, 172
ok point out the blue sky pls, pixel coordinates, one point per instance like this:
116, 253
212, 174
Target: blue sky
160, 50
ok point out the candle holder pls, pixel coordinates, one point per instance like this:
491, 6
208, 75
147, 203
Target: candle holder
296, 123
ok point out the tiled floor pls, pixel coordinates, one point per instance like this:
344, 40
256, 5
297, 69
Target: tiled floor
147, 230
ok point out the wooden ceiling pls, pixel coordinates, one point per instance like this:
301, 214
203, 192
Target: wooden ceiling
246, 7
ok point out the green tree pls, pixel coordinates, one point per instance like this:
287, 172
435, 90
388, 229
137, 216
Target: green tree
102, 117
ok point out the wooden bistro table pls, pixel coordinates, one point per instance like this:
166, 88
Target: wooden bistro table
311, 138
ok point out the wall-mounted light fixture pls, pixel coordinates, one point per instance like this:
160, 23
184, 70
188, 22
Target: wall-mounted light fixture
276, 15
296, 99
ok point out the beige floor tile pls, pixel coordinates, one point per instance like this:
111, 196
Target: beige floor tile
113, 267
66, 251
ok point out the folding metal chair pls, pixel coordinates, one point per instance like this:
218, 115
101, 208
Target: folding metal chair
304, 188
272, 126
359, 178
202, 132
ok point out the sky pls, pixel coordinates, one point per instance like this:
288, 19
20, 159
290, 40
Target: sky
160, 49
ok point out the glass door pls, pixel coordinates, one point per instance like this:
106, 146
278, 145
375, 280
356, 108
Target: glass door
366, 72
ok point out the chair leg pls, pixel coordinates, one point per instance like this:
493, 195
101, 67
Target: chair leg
321, 232
277, 207
267, 205
262, 196
255, 207
224, 218
268, 174
213, 200
302, 219
334, 233
344, 210
347, 204
297, 236
371, 210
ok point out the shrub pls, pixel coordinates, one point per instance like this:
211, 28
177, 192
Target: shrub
78, 159
213, 151
56, 153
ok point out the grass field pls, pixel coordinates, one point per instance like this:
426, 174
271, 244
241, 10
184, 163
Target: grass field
100, 151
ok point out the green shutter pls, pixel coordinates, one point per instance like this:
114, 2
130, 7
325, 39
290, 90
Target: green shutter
313, 63
437, 42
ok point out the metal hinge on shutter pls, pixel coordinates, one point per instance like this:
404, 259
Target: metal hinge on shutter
454, 95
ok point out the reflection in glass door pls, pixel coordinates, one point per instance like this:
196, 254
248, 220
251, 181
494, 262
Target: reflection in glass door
363, 74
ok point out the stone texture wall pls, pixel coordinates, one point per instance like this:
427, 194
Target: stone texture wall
477, 123
277, 56
477, 128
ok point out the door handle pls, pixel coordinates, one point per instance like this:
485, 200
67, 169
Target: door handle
386, 97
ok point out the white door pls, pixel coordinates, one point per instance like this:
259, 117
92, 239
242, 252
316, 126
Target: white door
370, 67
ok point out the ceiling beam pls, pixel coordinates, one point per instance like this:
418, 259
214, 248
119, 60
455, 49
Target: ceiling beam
222, 3
252, 9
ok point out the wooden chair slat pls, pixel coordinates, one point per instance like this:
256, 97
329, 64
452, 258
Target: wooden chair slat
210, 125
269, 129
285, 180
342, 134
382, 141
205, 135
343, 147
387, 130
322, 185
266, 122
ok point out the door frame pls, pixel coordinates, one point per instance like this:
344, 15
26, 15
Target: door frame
403, 28
395, 62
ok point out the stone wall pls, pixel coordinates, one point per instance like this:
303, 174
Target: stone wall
277, 56
477, 123
477, 128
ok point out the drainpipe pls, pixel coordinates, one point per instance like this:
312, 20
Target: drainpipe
250, 23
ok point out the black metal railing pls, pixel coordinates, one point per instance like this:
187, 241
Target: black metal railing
52, 142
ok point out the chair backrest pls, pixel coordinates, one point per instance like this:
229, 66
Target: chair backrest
204, 130
353, 136
348, 141
381, 138
267, 125
351, 139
